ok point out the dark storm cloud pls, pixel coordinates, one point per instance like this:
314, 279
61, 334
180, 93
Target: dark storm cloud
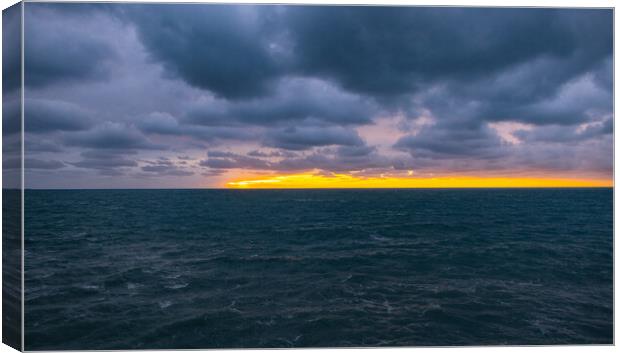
489, 64
242, 51
604, 76
11, 48
34, 145
301, 138
305, 101
567, 134
295, 99
60, 49
452, 142
316, 87
462, 116
160, 123
238, 51
226, 49
42, 115
112, 136
392, 51
166, 124
355, 151
515, 96
107, 162
341, 159
229, 160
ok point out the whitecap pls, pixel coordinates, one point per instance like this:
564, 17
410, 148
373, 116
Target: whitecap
387, 306
173, 276
177, 285
164, 304
378, 237
132, 286
346, 279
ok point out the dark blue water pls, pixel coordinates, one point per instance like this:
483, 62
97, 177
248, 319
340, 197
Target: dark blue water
316, 268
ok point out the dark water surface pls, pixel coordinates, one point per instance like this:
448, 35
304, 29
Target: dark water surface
314, 268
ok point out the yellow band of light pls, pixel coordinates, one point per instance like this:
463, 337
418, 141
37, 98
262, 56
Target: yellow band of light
316, 181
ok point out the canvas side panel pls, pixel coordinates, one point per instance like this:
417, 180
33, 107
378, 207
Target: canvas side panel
12, 165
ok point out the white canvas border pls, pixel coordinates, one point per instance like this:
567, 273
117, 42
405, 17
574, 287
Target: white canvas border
483, 3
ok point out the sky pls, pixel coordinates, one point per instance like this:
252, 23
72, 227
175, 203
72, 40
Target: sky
176, 96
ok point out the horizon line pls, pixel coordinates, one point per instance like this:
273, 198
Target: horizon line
326, 188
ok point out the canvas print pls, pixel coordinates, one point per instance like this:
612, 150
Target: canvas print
182, 176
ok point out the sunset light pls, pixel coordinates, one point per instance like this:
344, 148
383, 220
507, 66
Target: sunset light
317, 181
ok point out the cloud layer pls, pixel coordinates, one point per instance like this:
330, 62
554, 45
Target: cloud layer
185, 95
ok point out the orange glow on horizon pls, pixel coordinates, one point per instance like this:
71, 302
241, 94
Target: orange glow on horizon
345, 181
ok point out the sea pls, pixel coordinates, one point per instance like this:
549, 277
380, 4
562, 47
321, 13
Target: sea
182, 269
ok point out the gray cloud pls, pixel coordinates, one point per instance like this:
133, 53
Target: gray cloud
340, 159
452, 142
373, 50
365, 89
35, 145
295, 99
567, 134
11, 116
31, 163
219, 160
395, 50
11, 45
43, 115
276, 153
305, 137
83, 53
166, 170
225, 49
165, 124
111, 136
107, 162
164, 167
